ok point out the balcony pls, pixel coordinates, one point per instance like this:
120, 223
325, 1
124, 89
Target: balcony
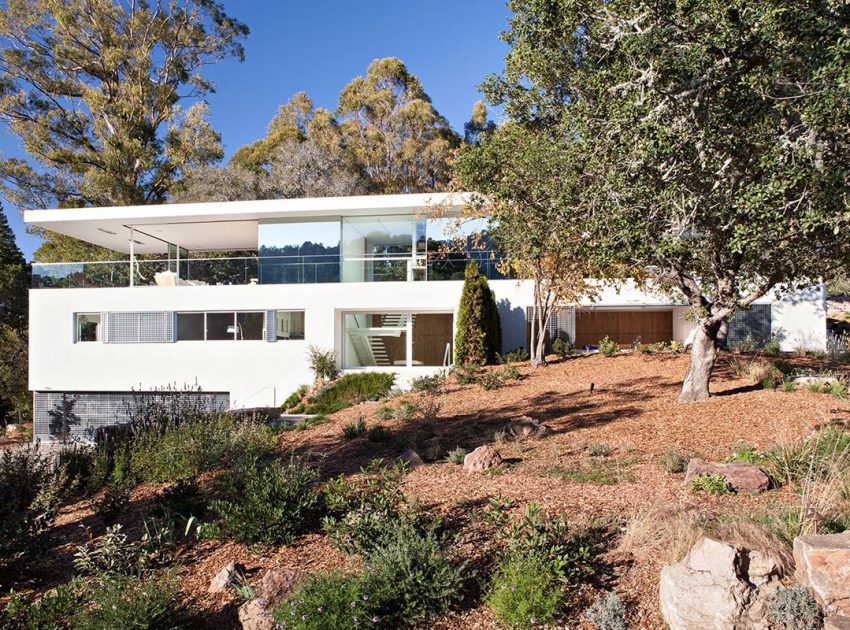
264, 269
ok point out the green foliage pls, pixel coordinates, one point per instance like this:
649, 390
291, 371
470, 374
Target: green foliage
675, 460
466, 374
378, 433
607, 347
114, 555
14, 284
326, 602
295, 398
815, 457
598, 449
350, 390
773, 345
478, 336
490, 381
608, 613
712, 484
456, 455
747, 345
113, 503
322, 364
525, 593
509, 372
53, 610
354, 429
517, 355
793, 608
267, 502
748, 454
384, 412
429, 384
405, 411
562, 347
603, 473
184, 499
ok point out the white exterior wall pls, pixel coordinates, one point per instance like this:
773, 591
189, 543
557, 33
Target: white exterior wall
260, 373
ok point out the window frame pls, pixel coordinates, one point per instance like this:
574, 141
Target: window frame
234, 323
277, 336
77, 329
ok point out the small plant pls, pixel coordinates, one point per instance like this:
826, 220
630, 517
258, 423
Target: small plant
325, 602
517, 355
837, 388
267, 503
747, 454
354, 429
607, 474
509, 373
113, 503
350, 390
675, 460
795, 609
598, 449
239, 583
384, 413
466, 374
501, 436
310, 421
490, 381
429, 408
747, 345
429, 384
405, 411
185, 498
607, 347
433, 452
676, 346
378, 433
456, 455
608, 613
562, 347
295, 398
773, 345
322, 363
787, 385
525, 593
712, 484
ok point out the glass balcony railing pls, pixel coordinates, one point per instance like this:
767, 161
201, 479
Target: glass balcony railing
258, 270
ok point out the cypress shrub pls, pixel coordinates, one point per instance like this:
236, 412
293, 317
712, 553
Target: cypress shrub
479, 335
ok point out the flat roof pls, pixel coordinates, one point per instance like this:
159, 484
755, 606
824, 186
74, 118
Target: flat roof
220, 225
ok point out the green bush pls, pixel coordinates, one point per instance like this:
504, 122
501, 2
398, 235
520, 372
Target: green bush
814, 457
525, 593
795, 609
185, 499
267, 503
747, 345
326, 602
675, 460
478, 336
607, 347
429, 384
378, 433
405, 411
456, 455
322, 363
772, 345
562, 347
608, 613
410, 575
712, 484
53, 610
466, 374
350, 390
294, 399
354, 429
113, 503
490, 381
517, 355
384, 412
509, 373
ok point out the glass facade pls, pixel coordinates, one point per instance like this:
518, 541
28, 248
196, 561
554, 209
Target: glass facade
299, 252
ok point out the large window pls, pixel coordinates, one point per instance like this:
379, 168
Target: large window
87, 327
397, 339
221, 326
383, 248
299, 252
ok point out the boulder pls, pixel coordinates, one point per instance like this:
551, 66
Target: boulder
527, 427
740, 476
254, 616
712, 588
276, 583
411, 458
820, 381
823, 565
836, 623
482, 458
221, 580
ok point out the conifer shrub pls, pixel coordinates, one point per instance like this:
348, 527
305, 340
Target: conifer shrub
478, 338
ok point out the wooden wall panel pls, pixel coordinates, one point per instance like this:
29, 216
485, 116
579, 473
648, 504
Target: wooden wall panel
623, 326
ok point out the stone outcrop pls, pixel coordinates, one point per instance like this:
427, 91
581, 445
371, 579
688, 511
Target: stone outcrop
527, 427
221, 580
254, 616
719, 586
823, 566
276, 584
482, 458
740, 476
819, 381
836, 623
411, 458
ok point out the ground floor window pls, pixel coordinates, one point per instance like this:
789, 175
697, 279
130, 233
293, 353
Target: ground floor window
398, 339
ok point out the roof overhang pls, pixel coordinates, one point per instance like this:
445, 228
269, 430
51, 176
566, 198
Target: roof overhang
230, 225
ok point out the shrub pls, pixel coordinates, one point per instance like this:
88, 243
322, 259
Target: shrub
787, 385
517, 355
466, 374
322, 363
815, 457
478, 336
747, 345
378, 433
428, 384
608, 613
405, 411
113, 503
384, 412
562, 347
429, 408
410, 576
510, 373
675, 460
309, 422
54, 609
598, 449
490, 381
676, 346
112, 555
747, 454
326, 602
607, 347
712, 484
270, 503
836, 388
773, 345
350, 390
795, 609
185, 499
456, 455
524, 592
354, 429
295, 398
29, 497
133, 603
501, 436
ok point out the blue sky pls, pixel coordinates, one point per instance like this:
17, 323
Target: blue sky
319, 45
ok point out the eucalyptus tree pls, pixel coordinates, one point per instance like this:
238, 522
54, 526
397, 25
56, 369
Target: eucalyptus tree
93, 90
716, 137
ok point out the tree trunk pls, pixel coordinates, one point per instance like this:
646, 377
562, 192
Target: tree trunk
703, 353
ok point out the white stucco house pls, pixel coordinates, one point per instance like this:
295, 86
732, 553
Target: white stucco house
367, 276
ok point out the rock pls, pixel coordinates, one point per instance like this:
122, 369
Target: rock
276, 583
13, 431
526, 427
741, 476
823, 565
411, 458
836, 623
254, 616
713, 589
222, 578
820, 381
482, 458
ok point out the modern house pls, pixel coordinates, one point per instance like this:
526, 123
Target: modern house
226, 297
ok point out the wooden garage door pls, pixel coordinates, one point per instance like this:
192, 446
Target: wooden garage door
623, 326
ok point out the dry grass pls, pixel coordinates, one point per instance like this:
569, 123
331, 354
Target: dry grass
754, 537
661, 534
755, 369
